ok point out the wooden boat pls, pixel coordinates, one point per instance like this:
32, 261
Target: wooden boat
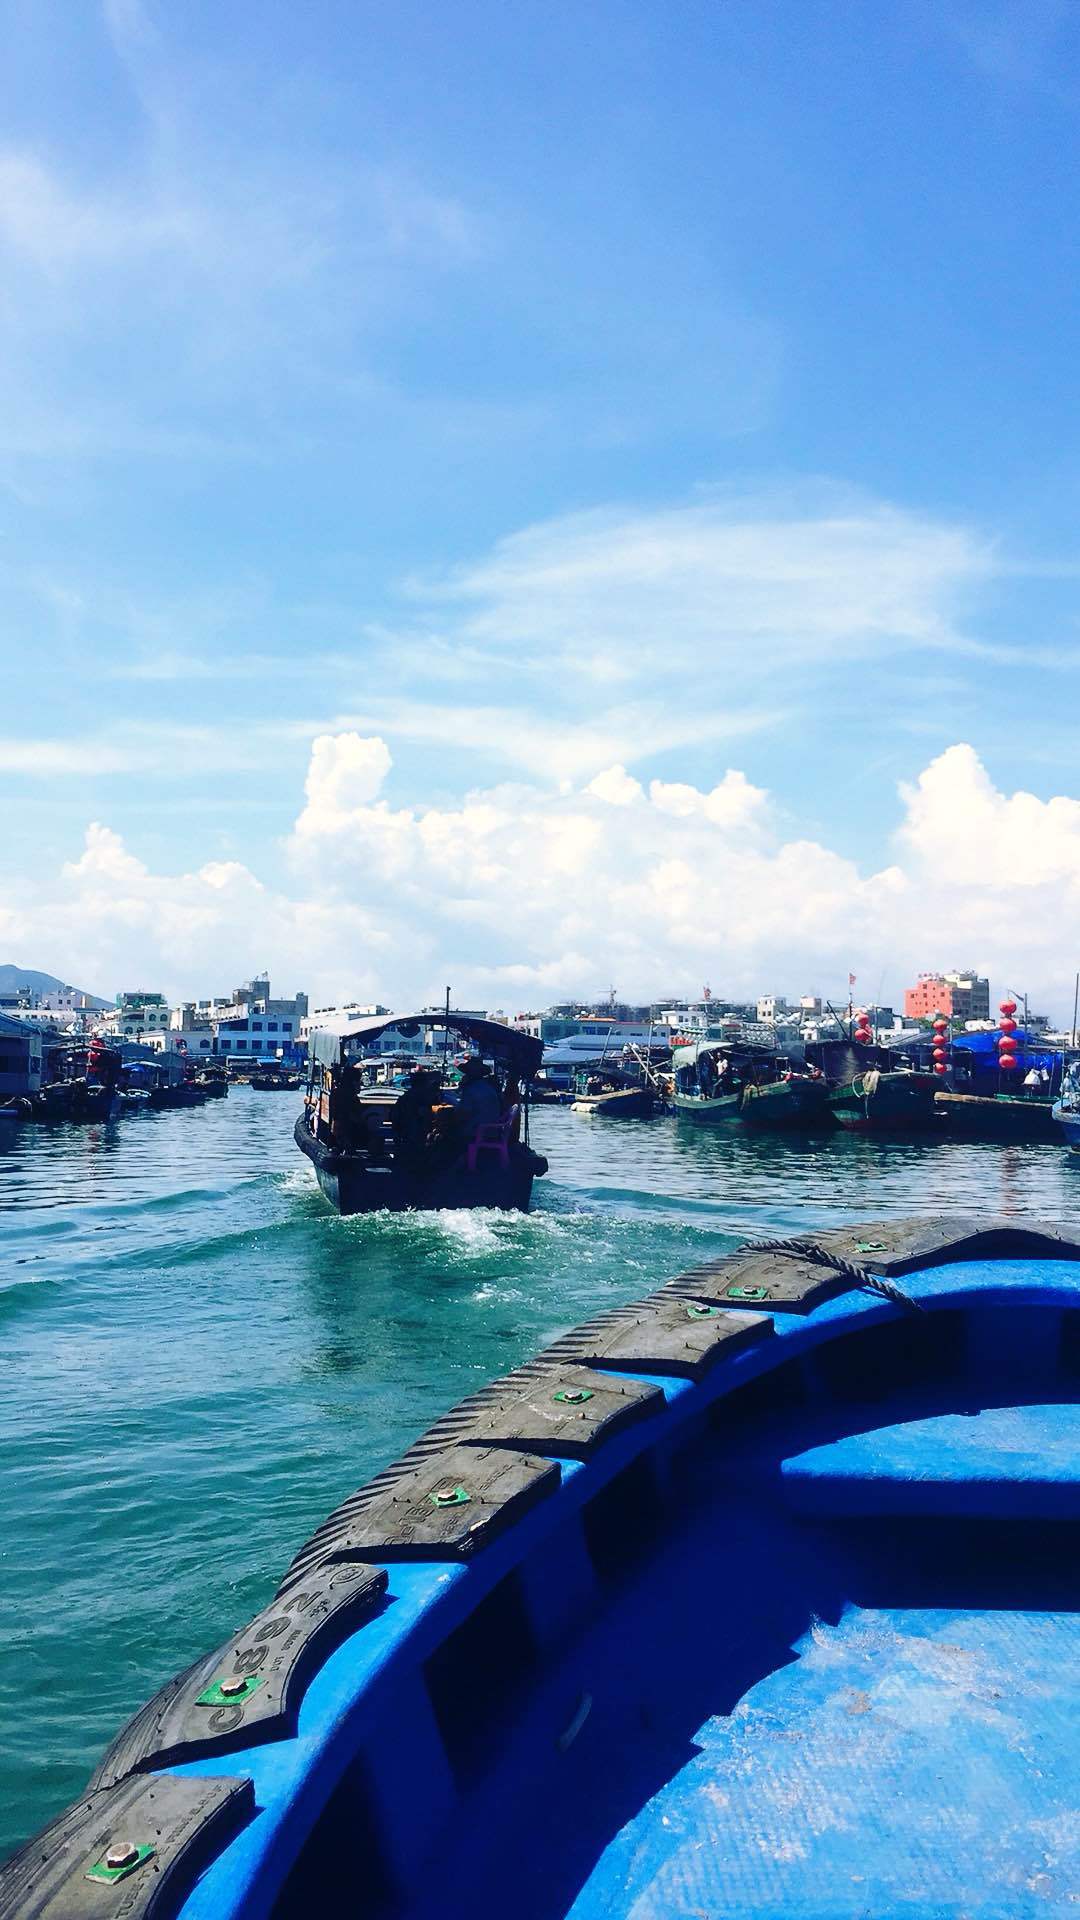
718, 1082
275, 1082
997, 1116
617, 1103
756, 1598
611, 1092
796, 1102
877, 1102
348, 1134
872, 1090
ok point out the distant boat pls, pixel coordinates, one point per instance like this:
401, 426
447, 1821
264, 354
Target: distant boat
997, 1116
718, 1082
617, 1103
870, 1093
275, 1082
347, 1130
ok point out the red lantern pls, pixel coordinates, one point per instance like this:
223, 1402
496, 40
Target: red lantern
938, 1053
940, 1067
1006, 1043
1008, 1062
1007, 1006
941, 1026
1007, 1026
863, 1036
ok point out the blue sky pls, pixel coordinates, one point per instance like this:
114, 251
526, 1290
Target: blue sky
504, 396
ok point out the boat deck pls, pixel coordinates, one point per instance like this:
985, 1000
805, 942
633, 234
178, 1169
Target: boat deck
846, 1696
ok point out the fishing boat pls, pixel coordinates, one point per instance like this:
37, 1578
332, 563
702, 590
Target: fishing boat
349, 1130
997, 1116
871, 1090
615, 1093
275, 1082
756, 1597
719, 1081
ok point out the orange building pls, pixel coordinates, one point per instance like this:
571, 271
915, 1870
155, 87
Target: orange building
963, 996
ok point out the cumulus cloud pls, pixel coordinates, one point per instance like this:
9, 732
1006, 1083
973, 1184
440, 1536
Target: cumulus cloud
345, 774
522, 894
616, 786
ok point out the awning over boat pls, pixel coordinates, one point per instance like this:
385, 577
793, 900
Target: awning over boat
331, 1044
733, 1049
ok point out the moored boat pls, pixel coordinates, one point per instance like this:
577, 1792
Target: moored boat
875, 1101
378, 1148
1066, 1109
719, 1082
997, 1116
796, 1100
754, 1597
872, 1090
617, 1103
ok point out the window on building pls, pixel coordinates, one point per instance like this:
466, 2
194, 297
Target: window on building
241, 1046
204, 1044
286, 1026
256, 1046
256, 1026
271, 1026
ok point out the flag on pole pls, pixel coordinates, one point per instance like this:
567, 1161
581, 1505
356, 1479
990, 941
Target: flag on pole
851, 979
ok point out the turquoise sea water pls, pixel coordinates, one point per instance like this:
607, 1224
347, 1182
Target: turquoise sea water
200, 1359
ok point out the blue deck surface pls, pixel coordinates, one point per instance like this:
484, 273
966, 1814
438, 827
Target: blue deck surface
820, 1717
1008, 1461
837, 1679
909, 1761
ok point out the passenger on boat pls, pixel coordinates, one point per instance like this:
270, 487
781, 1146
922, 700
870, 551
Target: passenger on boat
361, 1125
478, 1104
412, 1121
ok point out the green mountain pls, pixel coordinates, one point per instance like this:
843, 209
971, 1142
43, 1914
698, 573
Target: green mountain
13, 978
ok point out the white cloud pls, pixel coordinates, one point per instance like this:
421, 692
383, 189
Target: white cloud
345, 774
616, 786
521, 894
733, 803
722, 588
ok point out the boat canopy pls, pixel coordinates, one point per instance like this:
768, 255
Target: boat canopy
684, 1056
332, 1044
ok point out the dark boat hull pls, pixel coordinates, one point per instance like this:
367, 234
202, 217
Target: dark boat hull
787, 1104
885, 1103
630, 1103
718, 1112
353, 1185
997, 1117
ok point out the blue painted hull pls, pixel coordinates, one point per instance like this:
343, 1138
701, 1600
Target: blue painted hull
755, 1598
1068, 1120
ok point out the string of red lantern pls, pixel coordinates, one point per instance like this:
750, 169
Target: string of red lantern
1006, 1041
863, 1035
940, 1055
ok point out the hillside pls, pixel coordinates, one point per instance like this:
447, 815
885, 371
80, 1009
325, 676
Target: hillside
12, 978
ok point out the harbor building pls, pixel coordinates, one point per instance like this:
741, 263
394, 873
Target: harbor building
963, 995
138, 1015
20, 1058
